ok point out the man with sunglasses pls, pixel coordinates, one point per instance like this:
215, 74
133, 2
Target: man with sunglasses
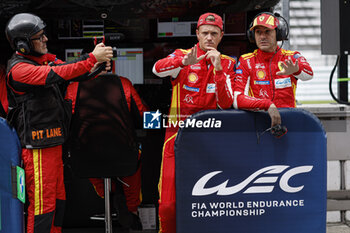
41, 94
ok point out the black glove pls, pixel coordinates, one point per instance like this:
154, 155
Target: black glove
279, 130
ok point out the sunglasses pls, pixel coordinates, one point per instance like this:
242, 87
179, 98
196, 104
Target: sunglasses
40, 38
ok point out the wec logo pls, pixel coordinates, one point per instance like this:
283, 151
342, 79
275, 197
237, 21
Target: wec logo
267, 175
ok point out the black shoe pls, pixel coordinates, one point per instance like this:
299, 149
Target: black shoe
123, 216
126, 219
136, 223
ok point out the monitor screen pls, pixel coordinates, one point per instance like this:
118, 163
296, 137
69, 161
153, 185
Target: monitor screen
234, 25
128, 63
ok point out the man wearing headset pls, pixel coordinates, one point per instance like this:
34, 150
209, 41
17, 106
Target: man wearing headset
267, 78
41, 95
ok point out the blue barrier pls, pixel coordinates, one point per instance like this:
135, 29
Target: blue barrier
232, 177
11, 209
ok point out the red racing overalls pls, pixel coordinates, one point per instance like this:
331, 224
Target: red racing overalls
195, 87
43, 166
257, 85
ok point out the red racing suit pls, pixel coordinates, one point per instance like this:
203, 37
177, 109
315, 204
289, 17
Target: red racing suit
44, 167
195, 87
133, 191
257, 86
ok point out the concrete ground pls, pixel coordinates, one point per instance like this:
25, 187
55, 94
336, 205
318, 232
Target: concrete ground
338, 228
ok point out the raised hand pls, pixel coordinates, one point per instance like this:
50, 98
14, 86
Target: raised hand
97, 64
289, 67
214, 57
103, 53
191, 58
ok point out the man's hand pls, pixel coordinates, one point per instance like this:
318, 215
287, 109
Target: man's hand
191, 58
289, 67
103, 53
97, 64
274, 115
215, 58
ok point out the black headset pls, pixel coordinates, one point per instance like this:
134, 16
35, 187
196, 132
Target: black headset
23, 46
282, 29
19, 30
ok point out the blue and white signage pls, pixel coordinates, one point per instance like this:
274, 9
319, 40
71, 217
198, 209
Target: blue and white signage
11, 208
151, 120
236, 179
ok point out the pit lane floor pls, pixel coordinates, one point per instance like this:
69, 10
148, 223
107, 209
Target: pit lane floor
338, 228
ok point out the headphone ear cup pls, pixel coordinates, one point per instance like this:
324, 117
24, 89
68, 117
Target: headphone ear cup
23, 47
282, 31
278, 33
250, 35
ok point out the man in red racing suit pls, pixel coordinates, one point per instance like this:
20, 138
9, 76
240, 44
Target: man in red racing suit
256, 81
201, 79
131, 184
268, 76
29, 69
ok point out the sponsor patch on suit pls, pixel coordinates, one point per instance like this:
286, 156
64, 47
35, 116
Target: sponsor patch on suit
211, 88
194, 89
282, 83
261, 82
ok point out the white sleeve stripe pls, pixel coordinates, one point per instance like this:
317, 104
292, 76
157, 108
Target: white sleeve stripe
173, 73
237, 93
304, 76
228, 83
246, 88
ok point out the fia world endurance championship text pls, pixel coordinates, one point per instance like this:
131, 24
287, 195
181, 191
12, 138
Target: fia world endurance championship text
240, 209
